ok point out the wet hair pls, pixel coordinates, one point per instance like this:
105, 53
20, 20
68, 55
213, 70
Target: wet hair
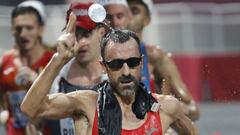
19, 10
143, 4
118, 36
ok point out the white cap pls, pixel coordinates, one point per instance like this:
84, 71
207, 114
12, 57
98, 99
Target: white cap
109, 2
36, 5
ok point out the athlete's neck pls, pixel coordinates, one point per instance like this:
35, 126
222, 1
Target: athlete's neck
125, 100
32, 55
140, 35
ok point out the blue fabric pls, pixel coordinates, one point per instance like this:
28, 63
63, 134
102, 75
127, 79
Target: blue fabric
145, 71
15, 98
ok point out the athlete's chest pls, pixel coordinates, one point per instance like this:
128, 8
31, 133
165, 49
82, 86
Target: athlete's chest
130, 121
150, 125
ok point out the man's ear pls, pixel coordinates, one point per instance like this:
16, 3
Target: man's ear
146, 21
102, 31
41, 30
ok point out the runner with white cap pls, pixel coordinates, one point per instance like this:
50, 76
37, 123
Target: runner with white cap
20, 66
140, 19
118, 13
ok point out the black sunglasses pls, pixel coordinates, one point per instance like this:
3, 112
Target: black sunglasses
117, 64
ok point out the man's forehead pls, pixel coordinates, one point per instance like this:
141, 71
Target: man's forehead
138, 7
116, 8
122, 50
134, 4
139, 4
27, 16
25, 19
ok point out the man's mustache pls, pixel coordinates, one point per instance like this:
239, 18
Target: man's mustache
128, 78
22, 40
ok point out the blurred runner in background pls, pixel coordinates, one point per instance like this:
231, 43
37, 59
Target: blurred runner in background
20, 66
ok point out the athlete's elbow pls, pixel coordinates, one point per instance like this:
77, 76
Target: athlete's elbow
27, 110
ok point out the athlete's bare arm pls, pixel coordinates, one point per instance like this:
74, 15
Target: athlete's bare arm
172, 115
37, 103
183, 126
164, 67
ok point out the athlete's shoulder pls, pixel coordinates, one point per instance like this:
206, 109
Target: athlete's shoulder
168, 104
84, 94
85, 99
154, 53
7, 56
9, 52
77, 97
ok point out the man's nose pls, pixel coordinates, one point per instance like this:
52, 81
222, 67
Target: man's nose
23, 32
115, 23
83, 40
125, 69
80, 43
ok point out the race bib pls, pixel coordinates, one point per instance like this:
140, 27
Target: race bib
15, 99
67, 126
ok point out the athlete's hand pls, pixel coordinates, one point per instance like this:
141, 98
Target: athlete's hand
25, 75
67, 41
